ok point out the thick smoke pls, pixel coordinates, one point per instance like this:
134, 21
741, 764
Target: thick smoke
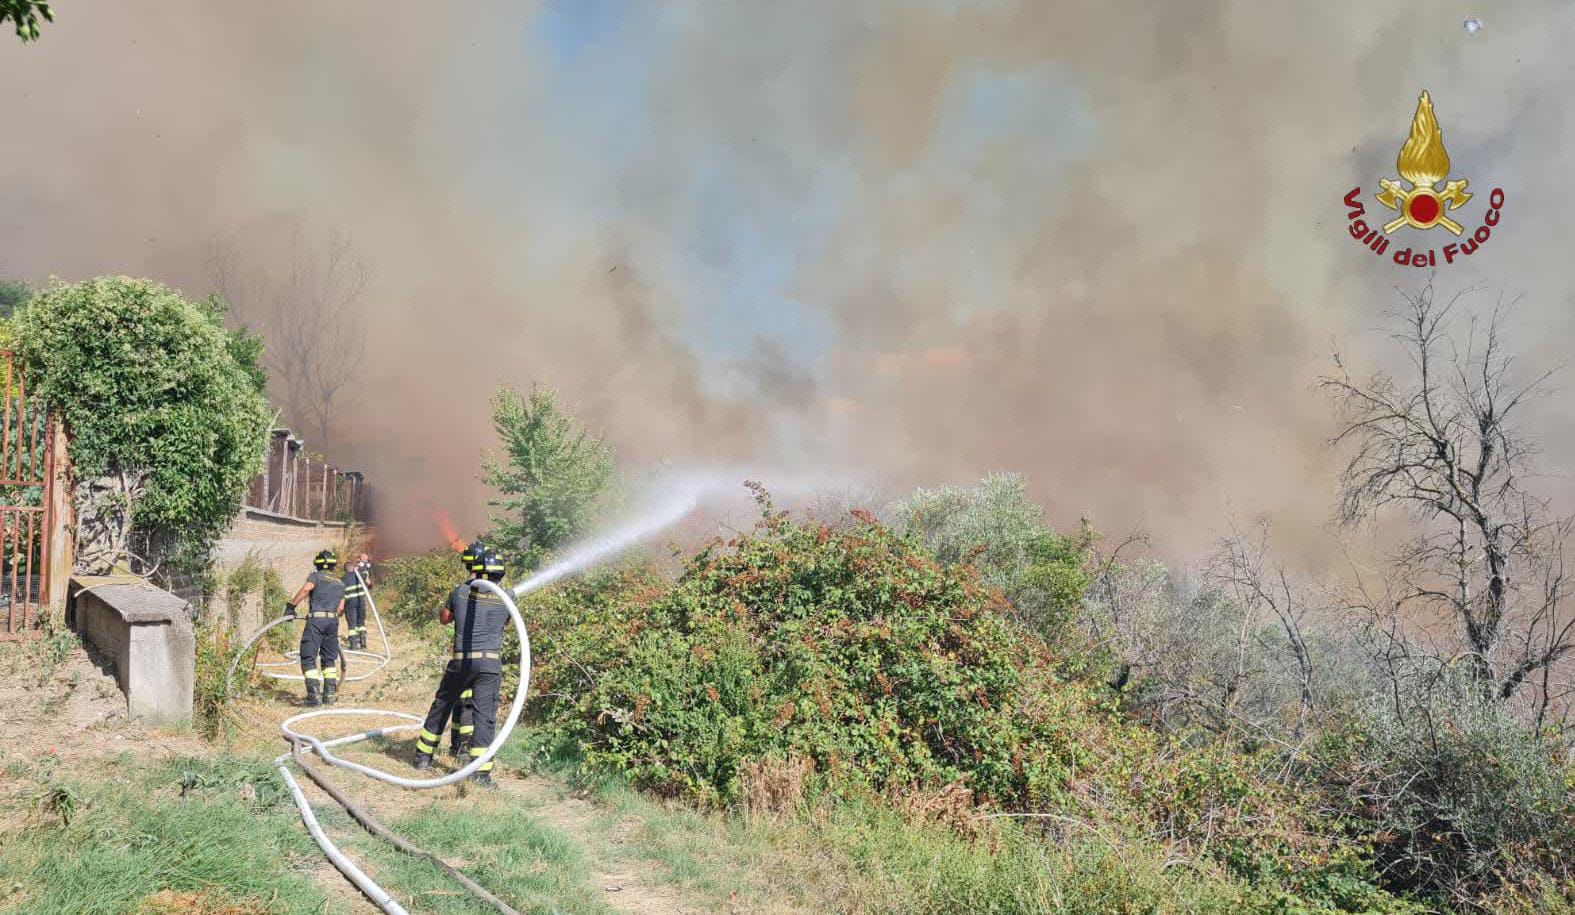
1101, 243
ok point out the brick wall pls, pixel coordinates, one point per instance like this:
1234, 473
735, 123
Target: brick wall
287, 545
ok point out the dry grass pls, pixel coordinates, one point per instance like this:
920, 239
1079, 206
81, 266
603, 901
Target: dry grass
170, 902
773, 787
950, 806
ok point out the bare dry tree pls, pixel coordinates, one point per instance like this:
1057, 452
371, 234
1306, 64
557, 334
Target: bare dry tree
1443, 447
1241, 569
312, 322
1116, 590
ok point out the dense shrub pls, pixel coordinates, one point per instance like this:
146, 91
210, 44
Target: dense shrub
997, 529
150, 383
853, 650
413, 587
893, 675
1462, 800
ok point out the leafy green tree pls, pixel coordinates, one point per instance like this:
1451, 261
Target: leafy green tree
25, 15
13, 293
999, 530
245, 346
151, 391
552, 479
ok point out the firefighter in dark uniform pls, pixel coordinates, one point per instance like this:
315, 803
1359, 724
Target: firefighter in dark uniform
464, 724
355, 583
478, 616
320, 637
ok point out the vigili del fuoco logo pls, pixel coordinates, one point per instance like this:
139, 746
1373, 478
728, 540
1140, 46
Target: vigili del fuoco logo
1424, 206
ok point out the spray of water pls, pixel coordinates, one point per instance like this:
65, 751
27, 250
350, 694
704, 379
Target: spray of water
672, 499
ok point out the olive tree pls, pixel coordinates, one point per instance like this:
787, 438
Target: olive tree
1002, 533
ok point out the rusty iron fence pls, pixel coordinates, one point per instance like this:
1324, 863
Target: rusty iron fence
293, 483
27, 464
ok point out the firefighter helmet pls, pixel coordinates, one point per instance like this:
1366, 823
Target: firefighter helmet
489, 564
468, 557
326, 560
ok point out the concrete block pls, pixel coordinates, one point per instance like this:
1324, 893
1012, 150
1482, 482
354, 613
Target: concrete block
147, 632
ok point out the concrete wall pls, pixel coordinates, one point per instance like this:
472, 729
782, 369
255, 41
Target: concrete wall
147, 633
284, 544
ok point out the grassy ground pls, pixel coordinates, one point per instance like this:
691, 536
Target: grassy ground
863, 857
169, 823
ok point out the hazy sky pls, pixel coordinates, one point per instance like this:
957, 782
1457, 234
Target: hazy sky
1102, 243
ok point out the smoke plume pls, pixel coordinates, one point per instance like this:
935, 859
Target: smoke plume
1101, 243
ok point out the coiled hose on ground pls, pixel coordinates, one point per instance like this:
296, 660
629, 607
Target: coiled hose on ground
305, 743
293, 658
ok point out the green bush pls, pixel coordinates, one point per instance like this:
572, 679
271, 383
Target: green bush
13, 295
996, 528
852, 650
148, 381
896, 676
1461, 799
414, 587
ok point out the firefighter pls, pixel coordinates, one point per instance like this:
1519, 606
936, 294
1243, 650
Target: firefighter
464, 724
320, 637
478, 617
355, 583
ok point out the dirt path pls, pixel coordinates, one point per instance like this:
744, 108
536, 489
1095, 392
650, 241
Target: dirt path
631, 885
628, 883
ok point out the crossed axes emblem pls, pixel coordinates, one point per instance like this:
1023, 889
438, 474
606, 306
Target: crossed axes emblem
1423, 206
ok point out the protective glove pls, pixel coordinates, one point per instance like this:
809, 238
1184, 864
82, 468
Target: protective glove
289, 611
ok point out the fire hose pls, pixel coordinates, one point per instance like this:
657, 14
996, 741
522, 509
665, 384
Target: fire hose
293, 658
302, 744
658, 515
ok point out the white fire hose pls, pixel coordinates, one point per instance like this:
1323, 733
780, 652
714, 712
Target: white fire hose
660, 514
322, 748
293, 657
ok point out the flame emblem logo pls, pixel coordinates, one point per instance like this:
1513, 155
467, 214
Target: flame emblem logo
1423, 162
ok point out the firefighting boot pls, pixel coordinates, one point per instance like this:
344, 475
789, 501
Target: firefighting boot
422, 760
312, 698
330, 691
483, 780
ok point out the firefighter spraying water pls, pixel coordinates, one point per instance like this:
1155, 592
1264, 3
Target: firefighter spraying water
475, 669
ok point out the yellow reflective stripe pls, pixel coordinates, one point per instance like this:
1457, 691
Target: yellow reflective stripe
331, 673
467, 729
313, 673
478, 751
425, 747
468, 694
428, 736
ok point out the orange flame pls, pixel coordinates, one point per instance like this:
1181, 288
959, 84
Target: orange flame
1423, 161
447, 527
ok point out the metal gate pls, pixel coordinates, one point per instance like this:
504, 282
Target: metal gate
26, 501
